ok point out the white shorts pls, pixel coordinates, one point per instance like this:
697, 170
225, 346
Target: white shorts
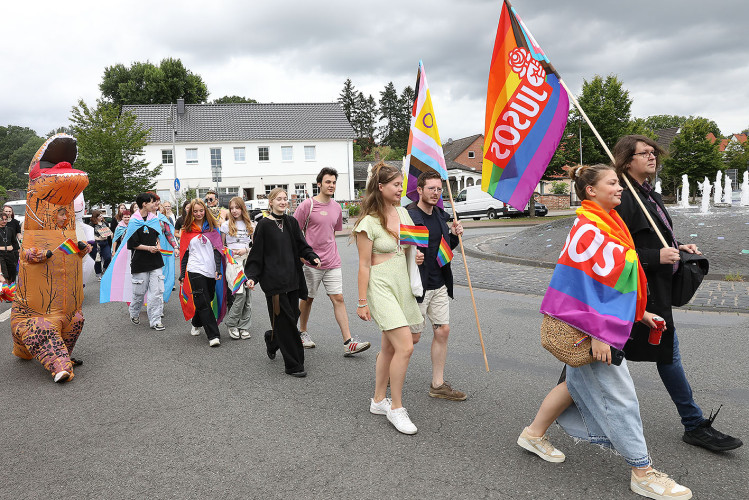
436, 307
332, 279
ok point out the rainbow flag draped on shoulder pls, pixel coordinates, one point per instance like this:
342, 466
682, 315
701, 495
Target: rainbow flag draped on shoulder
424, 150
526, 112
598, 285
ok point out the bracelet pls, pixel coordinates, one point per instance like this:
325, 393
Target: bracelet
362, 300
362, 305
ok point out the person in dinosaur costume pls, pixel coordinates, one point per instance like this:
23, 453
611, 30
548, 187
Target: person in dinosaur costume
46, 319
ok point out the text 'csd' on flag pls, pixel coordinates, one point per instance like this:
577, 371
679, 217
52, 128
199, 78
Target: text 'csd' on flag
526, 112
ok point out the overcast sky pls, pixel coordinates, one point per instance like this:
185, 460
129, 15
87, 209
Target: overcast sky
675, 57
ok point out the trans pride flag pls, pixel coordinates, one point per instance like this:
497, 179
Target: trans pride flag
598, 285
424, 145
526, 112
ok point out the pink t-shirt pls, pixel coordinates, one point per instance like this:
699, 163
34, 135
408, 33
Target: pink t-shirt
326, 219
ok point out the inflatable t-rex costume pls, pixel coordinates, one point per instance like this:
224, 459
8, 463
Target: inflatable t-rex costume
47, 319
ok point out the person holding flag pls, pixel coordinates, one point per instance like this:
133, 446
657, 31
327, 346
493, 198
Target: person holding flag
202, 263
436, 277
236, 233
599, 288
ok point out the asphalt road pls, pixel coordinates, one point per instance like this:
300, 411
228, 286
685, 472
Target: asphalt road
162, 415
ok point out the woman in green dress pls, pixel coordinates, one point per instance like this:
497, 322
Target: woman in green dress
385, 290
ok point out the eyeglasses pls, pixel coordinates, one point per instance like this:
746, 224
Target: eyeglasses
433, 189
647, 154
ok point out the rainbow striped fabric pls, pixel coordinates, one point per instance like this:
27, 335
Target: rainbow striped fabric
414, 235
424, 146
7, 292
68, 247
444, 253
598, 285
238, 282
526, 112
166, 252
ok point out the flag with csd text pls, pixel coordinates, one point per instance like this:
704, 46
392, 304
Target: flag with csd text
424, 146
526, 112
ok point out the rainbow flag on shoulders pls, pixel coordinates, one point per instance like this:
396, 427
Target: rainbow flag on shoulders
598, 285
68, 247
444, 253
526, 112
414, 235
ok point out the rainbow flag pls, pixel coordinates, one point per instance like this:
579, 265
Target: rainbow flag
598, 285
166, 252
68, 247
238, 282
424, 151
444, 253
414, 235
229, 256
7, 292
526, 112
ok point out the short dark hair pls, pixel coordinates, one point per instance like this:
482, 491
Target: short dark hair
143, 198
326, 171
425, 176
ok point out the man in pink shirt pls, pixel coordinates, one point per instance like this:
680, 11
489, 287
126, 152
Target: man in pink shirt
320, 217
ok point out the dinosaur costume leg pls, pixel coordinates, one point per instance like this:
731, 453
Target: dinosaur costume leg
43, 340
71, 330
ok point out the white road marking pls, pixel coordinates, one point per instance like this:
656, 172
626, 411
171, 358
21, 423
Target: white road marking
4, 316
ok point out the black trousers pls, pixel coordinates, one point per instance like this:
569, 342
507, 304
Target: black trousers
8, 264
203, 289
285, 332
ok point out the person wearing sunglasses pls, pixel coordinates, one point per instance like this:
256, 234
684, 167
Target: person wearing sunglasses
219, 213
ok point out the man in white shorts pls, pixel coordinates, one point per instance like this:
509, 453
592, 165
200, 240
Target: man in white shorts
320, 217
437, 281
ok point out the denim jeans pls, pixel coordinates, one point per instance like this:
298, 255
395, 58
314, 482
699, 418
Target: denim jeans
605, 410
677, 385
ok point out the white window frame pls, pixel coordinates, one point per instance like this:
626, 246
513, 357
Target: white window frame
471, 154
290, 151
270, 187
300, 188
188, 160
315, 189
314, 153
243, 153
165, 153
216, 157
267, 152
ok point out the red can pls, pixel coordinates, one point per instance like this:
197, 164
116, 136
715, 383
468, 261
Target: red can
655, 333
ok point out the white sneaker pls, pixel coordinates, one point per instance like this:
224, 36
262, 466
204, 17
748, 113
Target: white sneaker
380, 408
245, 334
658, 486
541, 446
234, 333
307, 340
399, 418
62, 376
214, 342
195, 331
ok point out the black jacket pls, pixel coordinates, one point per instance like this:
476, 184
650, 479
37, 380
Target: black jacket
659, 276
451, 239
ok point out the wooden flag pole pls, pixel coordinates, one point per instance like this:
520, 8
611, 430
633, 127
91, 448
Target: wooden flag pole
611, 156
468, 276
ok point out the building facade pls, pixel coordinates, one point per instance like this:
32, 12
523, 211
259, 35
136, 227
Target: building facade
249, 148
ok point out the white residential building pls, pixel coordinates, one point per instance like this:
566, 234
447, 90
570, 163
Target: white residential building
256, 147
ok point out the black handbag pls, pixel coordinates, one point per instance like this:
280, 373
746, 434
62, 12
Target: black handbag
689, 276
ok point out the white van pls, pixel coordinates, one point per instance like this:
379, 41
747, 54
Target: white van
473, 202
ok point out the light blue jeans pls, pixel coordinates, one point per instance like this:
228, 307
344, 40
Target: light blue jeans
605, 410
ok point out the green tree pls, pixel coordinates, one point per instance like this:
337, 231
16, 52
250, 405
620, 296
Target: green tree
110, 150
658, 122
403, 119
233, 99
607, 104
60, 130
15, 144
19, 161
7, 181
640, 126
144, 83
736, 156
365, 121
389, 112
348, 99
693, 154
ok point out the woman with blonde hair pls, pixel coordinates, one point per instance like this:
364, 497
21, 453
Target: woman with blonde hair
385, 293
236, 232
202, 262
275, 262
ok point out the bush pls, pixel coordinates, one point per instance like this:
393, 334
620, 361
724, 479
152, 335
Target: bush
560, 187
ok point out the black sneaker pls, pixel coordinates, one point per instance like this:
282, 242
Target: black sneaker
710, 438
136, 321
268, 349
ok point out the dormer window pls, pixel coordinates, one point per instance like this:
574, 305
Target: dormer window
471, 154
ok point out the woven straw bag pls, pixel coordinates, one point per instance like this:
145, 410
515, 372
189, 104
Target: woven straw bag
569, 345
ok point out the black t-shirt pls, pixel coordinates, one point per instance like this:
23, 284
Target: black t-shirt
13, 229
144, 261
433, 223
178, 223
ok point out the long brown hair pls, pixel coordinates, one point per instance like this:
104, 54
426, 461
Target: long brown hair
239, 202
625, 148
208, 215
373, 203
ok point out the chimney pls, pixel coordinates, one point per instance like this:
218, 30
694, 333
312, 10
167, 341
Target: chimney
450, 140
180, 106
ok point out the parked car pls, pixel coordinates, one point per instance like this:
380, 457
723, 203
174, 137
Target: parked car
541, 210
473, 202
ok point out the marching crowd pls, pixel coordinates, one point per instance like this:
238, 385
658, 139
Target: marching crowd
218, 256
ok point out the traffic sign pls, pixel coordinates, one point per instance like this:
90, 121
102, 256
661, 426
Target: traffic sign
176, 184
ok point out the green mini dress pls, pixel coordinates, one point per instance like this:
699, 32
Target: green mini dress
391, 301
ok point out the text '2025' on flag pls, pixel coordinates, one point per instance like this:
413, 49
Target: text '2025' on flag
526, 112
